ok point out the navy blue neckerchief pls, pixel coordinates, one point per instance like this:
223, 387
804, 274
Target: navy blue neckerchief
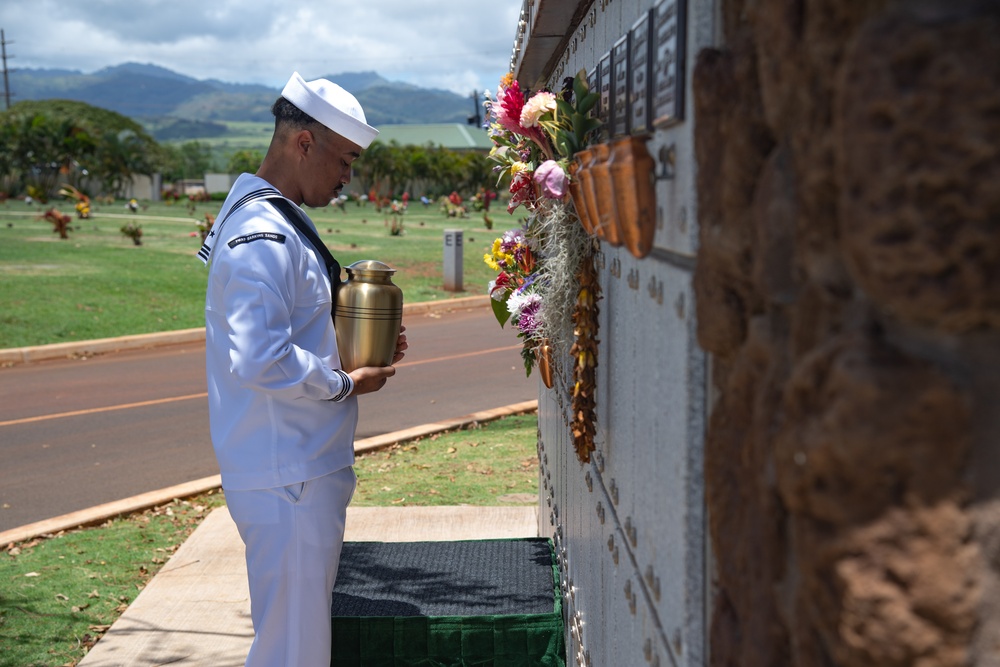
298, 219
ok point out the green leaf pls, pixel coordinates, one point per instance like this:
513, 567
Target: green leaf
580, 125
580, 86
587, 125
528, 356
564, 108
564, 146
587, 102
500, 311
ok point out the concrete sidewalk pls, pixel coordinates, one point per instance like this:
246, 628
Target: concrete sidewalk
196, 611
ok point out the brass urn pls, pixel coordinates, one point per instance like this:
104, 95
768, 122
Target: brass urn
368, 317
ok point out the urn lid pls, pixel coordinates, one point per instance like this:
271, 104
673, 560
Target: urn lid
370, 267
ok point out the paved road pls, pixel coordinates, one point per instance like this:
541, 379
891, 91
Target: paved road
79, 433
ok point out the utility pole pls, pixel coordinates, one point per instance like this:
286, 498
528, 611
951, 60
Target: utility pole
6, 81
475, 119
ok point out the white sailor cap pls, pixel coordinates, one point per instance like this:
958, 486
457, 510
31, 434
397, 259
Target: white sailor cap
332, 106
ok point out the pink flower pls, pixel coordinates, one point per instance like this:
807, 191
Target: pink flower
507, 108
540, 103
552, 178
520, 190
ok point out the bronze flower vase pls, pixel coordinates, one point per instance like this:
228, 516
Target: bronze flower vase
576, 172
543, 357
633, 175
604, 196
586, 158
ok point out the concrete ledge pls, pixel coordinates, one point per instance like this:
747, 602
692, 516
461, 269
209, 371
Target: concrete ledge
100, 513
86, 348
19, 355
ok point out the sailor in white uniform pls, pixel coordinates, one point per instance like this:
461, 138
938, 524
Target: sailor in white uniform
282, 412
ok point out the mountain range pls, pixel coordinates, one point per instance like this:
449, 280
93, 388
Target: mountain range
149, 93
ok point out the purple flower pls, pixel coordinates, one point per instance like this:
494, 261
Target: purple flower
552, 178
524, 307
527, 321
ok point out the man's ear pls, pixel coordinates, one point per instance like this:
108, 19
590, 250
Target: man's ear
304, 142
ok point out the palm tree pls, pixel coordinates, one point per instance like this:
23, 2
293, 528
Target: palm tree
119, 156
61, 141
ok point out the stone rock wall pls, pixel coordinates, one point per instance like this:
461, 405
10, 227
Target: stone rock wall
848, 287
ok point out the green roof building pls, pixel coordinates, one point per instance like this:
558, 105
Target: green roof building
454, 136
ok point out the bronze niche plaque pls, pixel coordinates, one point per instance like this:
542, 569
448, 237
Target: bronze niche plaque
620, 65
669, 23
639, 77
605, 109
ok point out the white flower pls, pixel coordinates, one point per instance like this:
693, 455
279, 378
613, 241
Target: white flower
539, 104
518, 301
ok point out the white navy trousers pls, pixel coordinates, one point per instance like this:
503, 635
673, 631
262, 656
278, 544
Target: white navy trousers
293, 537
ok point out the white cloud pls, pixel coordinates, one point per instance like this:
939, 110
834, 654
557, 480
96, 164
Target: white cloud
458, 45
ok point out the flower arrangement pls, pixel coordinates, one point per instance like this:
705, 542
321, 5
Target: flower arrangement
395, 211
545, 284
133, 231
515, 295
82, 201
535, 139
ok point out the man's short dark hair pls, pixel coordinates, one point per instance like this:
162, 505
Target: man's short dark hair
286, 113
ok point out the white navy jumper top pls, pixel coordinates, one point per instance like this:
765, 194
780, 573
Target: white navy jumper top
279, 406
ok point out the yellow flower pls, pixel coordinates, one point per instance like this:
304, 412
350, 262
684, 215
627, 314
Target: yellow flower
507, 80
517, 167
490, 262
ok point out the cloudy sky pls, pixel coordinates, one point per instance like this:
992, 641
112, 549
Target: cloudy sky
458, 45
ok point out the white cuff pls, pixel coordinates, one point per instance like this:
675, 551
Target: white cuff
347, 389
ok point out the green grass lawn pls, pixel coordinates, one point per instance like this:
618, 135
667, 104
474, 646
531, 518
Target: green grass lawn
98, 284
59, 595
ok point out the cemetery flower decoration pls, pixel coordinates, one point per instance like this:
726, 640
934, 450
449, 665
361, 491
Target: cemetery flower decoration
515, 294
545, 284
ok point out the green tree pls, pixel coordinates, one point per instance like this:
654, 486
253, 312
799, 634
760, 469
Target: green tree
244, 161
64, 141
370, 168
435, 170
477, 169
448, 171
188, 160
7, 137
118, 157
43, 151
